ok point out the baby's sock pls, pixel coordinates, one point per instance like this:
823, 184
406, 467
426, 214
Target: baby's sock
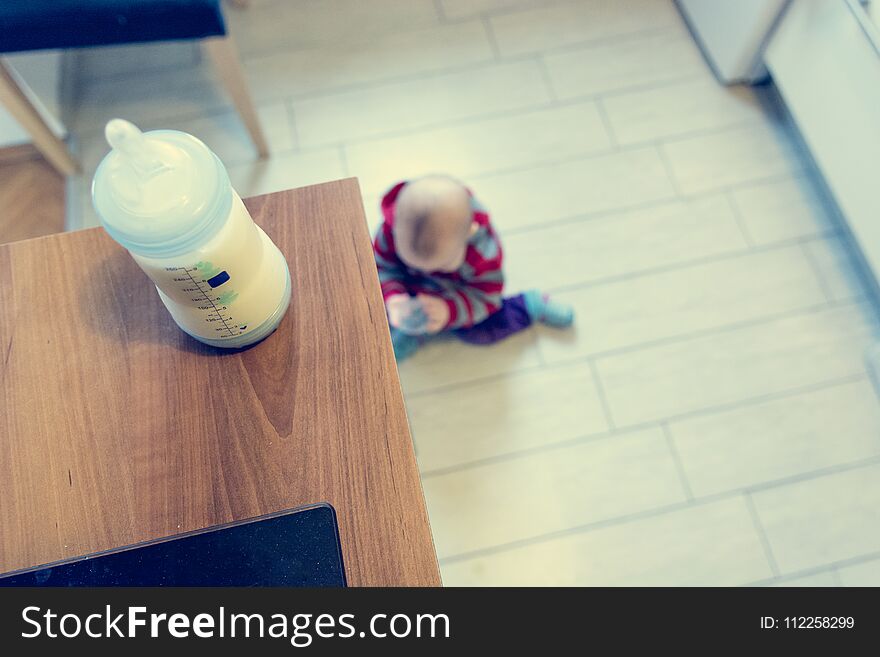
543, 309
405, 345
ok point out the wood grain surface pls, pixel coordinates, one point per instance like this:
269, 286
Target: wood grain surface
116, 427
31, 195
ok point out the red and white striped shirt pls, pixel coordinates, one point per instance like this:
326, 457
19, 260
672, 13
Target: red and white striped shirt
473, 292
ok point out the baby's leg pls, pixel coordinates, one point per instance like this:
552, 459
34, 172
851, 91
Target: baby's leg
405, 345
517, 314
543, 309
512, 317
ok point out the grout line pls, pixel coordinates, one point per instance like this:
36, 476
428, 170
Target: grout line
536, 343
648, 205
603, 41
600, 392
606, 121
681, 265
291, 122
525, 6
483, 64
744, 404
740, 220
523, 453
490, 36
578, 100
630, 88
816, 269
545, 76
785, 579
443, 20
563, 533
663, 342
762, 535
832, 567
544, 105
655, 512
370, 139
669, 169
679, 465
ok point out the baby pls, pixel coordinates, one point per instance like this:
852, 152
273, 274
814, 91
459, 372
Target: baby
439, 263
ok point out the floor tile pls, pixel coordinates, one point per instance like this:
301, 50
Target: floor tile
781, 210
373, 212
85, 215
822, 520
567, 23
267, 25
480, 146
397, 107
446, 361
569, 189
286, 171
618, 244
457, 9
738, 155
706, 545
736, 365
643, 59
862, 574
504, 415
675, 303
679, 108
779, 438
486, 506
825, 578
136, 59
284, 74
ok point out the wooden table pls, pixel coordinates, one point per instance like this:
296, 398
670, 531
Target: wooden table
116, 427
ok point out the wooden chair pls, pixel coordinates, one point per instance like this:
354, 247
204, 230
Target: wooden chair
53, 24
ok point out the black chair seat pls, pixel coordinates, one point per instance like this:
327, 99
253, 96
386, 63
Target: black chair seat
49, 24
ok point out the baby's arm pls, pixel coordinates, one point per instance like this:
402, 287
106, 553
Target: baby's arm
392, 275
466, 303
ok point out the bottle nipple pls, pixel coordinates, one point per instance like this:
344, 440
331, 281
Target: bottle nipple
127, 140
138, 161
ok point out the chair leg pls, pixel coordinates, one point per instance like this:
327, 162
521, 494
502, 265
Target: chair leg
224, 56
21, 108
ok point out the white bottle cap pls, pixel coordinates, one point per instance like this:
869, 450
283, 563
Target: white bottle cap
159, 193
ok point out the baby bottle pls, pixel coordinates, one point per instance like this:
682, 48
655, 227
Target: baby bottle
166, 197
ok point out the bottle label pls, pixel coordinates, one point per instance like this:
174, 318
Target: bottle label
210, 292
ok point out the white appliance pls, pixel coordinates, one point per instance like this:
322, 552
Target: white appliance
732, 34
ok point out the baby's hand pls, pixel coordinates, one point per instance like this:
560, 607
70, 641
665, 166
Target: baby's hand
436, 310
398, 308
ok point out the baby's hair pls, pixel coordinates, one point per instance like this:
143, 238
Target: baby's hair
429, 210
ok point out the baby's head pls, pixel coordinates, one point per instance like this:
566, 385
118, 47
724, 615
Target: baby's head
432, 223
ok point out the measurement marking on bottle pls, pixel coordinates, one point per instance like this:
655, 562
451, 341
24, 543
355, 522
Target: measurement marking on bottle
208, 298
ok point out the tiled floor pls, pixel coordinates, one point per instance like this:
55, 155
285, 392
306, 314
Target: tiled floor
709, 419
